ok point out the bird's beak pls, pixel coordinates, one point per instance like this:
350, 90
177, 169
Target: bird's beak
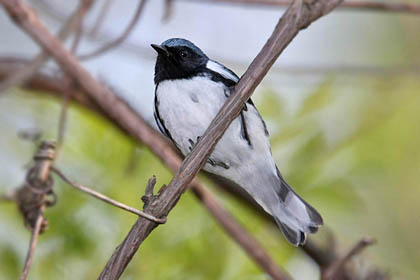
160, 49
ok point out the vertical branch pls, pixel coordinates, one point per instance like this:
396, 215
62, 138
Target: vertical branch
84, 7
31, 198
101, 17
62, 121
78, 27
32, 244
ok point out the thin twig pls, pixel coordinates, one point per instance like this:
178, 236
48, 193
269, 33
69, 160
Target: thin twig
17, 78
404, 8
168, 10
100, 19
117, 41
357, 249
336, 269
32, 244
107, 199
85, 5
62, 122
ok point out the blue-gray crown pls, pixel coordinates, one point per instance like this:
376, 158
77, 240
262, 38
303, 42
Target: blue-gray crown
180, 42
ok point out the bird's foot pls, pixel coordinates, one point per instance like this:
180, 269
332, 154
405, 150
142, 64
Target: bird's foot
192, 143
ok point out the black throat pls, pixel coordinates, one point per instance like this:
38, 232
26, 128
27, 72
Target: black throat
167, 69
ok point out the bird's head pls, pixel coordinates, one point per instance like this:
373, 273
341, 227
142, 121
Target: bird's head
178, 59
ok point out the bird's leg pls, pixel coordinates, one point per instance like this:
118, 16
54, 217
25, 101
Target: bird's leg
218, 163
192, 144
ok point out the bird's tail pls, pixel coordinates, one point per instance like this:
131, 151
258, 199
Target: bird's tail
294, 216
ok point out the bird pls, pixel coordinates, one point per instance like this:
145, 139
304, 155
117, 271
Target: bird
190, 88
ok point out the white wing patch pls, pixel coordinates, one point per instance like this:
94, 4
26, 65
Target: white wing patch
219, 68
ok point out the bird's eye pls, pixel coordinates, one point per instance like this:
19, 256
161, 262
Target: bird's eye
183, 53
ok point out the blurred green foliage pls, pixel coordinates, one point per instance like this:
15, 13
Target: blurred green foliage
351, 151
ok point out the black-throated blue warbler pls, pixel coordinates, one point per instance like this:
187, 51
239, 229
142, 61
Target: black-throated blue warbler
190, 90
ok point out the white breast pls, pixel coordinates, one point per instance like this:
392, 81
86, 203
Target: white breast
188, 106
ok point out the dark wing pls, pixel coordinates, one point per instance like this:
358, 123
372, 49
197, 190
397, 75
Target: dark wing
160, 123
220, 73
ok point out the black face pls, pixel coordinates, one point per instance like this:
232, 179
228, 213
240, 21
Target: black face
178, 59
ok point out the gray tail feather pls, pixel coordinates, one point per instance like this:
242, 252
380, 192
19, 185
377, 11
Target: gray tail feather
295, 237
294, 215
